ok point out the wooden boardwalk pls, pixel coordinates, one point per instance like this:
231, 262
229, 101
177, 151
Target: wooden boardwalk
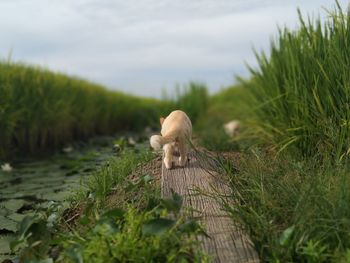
227, 242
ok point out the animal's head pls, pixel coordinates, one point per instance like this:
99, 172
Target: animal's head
227, 127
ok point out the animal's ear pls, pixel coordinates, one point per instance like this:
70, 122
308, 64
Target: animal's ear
161, 120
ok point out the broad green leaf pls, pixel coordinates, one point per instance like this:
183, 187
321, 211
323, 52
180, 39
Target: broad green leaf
13, 204
15, 243
16, 217
189, 227
174, 203
25, 224
106, 225
157, 226
286, 235
4, 244
116, 213
75, 254
7, 224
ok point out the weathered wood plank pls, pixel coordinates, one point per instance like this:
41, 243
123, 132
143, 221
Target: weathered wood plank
195, 183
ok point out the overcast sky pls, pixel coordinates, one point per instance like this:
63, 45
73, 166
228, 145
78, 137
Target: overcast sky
145, 46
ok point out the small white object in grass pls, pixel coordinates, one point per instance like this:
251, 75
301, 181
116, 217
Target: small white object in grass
6, 167
131, 141
232, 128
67, 149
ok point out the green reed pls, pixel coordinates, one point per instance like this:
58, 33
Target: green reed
41, 110
302, 88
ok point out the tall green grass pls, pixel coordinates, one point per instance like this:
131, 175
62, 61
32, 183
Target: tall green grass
294, 207
41, 110
293, 211
302, 88
232, 103
192, 98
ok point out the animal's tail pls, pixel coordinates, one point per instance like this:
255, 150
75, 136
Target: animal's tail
157, 141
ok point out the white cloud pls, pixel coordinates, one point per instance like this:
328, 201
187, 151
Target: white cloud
144, 46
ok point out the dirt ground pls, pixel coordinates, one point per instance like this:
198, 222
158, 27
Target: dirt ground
153, 168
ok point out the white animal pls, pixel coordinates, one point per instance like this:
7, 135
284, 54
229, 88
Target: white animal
232, 128
176, 132
67, 149
6, 167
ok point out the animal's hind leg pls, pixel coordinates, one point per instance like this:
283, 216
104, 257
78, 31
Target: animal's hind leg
183, 153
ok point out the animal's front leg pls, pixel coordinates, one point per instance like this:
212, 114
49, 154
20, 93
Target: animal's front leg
168, 156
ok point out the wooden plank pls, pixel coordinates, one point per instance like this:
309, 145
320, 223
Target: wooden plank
195, 183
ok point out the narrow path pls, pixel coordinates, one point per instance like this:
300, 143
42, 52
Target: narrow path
227, 242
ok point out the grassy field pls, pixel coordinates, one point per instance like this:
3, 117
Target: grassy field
294, 211
230, 104
303, 88
291, 187
292, 182
41, 110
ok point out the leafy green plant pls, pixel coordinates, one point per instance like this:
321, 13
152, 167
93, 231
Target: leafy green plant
301, 89
115, 235
35, 234
146, 236
314, 252
114, 172
294, 211
115, 220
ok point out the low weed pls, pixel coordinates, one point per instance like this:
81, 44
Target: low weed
294, 211
114, 173
115, 219
134, 236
